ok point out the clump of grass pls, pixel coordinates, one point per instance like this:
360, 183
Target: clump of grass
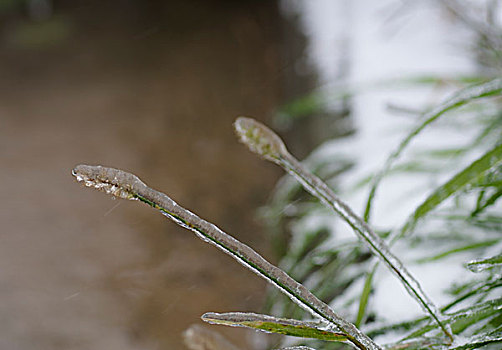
459, 217
437, 329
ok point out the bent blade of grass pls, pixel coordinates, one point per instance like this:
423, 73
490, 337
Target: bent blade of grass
461, 98
271, 324
266, 143
128, 186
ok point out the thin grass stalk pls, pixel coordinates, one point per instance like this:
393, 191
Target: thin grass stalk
128, 186
266, 143
321, 191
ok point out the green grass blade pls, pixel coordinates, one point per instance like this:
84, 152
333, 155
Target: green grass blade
365, 296
488, 202
474, 171
461, 98
270, 324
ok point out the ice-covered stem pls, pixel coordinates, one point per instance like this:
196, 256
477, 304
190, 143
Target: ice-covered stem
278, 153
271, 324
128, 186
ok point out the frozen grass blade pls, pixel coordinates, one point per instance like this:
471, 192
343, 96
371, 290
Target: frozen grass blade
128, 186
296, 348
461, 98
266, 143
484, 264
272, 324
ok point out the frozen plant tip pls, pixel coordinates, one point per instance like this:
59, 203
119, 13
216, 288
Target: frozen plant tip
111, 181
260, 139
128, 186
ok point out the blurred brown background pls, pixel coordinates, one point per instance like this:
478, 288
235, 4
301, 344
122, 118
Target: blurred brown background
151, 87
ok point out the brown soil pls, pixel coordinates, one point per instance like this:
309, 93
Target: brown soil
151, 87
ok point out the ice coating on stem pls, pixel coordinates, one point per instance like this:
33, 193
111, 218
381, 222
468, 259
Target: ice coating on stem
130, 186
271, 324
249, 317
259, 138
321, 190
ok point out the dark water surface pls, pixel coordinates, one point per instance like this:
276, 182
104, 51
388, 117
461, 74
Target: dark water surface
151, 87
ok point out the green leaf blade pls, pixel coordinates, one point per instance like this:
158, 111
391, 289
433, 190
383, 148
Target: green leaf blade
473, 171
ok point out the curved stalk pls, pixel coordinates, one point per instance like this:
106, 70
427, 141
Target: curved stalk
128, 186
266, 143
